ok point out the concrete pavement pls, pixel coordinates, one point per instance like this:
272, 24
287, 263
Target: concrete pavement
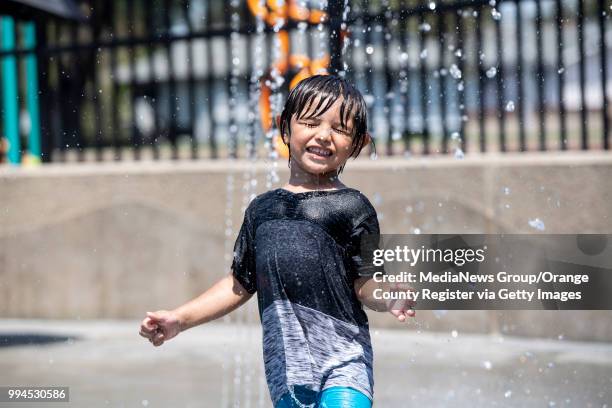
106, 363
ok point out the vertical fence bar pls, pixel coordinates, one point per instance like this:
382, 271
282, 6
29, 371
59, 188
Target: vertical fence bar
214, 154
43, 80
97, 87
77, 85
334, 12
252, 75
171, 80
441, 79
561, 75
32, 93
583, 108
252, 83
135, 138
540, 76
405, 67
519, 78
153, 83
481, 83
59, 95
232, 141
191, 81
461, 65
604, 73
423, 81
500, 86
368, 72
10, 92
388, 79
115, 100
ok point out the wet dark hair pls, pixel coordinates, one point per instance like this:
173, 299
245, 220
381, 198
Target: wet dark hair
329, 88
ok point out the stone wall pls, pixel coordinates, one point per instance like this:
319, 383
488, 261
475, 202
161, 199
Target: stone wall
114, 240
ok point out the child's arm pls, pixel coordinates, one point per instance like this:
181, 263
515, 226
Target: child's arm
401, 309
223, 297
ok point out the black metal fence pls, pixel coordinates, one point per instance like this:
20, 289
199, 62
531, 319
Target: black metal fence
201, 78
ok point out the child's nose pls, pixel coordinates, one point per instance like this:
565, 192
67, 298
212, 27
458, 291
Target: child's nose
324, 134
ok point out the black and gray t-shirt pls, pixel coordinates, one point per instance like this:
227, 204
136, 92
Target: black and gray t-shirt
301, 253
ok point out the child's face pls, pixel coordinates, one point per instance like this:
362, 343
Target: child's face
320, 145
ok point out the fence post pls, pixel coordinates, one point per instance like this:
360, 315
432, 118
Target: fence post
9, 89
32, 94
334, 11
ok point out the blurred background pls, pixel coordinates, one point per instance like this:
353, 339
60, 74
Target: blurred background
134, 133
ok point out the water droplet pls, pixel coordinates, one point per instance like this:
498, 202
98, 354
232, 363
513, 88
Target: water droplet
369, 50
432, 5
496, 14
510, 106
416, 231
506, 190
425, 27
145, 403
487, 365
455, 136
491, 72
561, 70
455, 71
537, 224
508, 394
459, 154
440, 313
454, 333
423, 54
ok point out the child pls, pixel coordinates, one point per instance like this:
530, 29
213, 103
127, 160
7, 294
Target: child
299, 249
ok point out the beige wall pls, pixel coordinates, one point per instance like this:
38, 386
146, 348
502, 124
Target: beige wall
115, 240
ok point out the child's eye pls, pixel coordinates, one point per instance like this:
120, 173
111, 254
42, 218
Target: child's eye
310, 125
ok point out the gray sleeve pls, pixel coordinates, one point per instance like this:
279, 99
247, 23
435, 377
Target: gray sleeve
243, 264
364, 240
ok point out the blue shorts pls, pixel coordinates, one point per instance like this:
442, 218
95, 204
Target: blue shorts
332, 397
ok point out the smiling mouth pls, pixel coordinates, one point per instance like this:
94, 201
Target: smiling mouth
320, 152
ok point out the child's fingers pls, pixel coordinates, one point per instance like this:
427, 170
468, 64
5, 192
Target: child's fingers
146, 335
148, 324
158, 339
155, 316
403, 314
398, 314
147, 328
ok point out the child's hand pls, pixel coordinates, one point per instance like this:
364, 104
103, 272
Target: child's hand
401, 308
160, 326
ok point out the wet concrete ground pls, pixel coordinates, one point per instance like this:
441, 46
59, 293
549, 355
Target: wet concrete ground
106, 363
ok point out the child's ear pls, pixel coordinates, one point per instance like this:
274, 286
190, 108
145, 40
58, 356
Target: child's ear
278, 126
366, 141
